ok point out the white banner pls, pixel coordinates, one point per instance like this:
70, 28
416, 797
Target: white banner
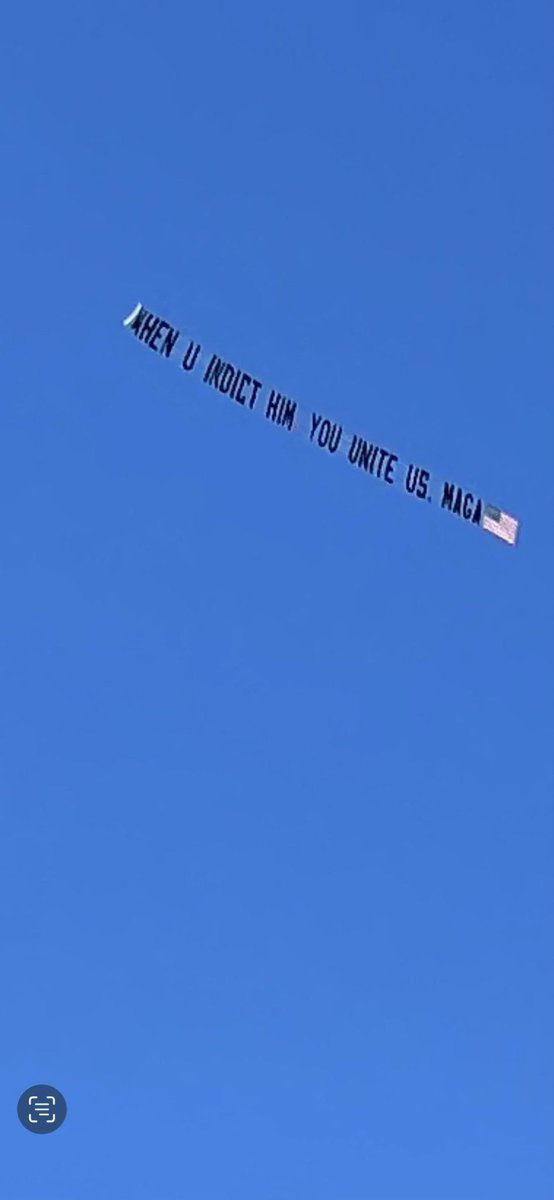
246, 389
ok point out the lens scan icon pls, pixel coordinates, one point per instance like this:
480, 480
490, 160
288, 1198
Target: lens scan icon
42, 1108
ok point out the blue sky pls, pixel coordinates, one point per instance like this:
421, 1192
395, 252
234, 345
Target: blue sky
276, 865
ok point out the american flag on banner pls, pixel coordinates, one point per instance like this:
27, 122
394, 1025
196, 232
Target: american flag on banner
499, 523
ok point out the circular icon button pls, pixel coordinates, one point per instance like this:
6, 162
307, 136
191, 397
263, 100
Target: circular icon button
42, 1108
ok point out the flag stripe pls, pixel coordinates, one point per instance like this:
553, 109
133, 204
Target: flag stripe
499, 523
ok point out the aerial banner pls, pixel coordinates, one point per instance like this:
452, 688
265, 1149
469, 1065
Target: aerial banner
247, 390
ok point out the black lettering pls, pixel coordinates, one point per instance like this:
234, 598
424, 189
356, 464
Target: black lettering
364, 454
216, 373
382, 456
162, 325
289, 413
323, 435
190, 356
256, 385
234, 385
411, 478
170, 342
476, 519
329, 435
149, 328
354, 449
315, 422
373, 457
447, 496
280, 409
137, 323
213, 371
458, 503
272, 406
207, 372
334, 440
226, 379
243, 379
389, 478
467, 506
424, 478
417, 480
